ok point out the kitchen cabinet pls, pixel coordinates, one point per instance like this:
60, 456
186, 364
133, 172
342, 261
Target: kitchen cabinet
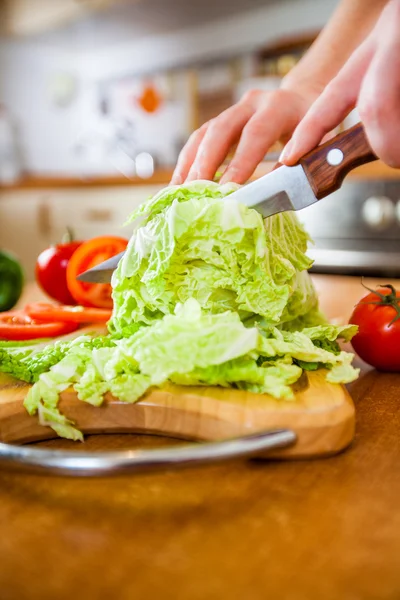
32, 219
20, 227
97, 211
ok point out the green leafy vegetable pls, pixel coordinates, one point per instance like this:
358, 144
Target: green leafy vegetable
191, 243
29, 363
191, 347
207, 294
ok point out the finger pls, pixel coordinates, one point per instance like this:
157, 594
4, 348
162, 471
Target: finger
257, 137
222, 133
187, 155
380, 112
268, 125
332, 106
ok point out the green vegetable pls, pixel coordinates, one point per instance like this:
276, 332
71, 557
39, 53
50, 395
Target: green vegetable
29, 363
207, 294
191, 243
191, 347
11, 344
11, 280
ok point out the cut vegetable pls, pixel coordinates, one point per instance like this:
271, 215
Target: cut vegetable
88, 255
16, 325
208, 293
192, 241
67, 314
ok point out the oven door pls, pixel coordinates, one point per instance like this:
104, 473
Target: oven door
356, 230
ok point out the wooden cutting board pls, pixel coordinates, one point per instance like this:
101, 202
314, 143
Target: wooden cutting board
322, 415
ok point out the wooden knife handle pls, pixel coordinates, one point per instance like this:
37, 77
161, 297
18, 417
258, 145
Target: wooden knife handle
327, 165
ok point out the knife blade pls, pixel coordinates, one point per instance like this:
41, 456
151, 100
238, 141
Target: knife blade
317, 174
101, 273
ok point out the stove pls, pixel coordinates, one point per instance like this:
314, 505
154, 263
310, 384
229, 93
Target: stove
356, 230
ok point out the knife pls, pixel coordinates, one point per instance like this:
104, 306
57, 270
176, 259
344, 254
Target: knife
319, 173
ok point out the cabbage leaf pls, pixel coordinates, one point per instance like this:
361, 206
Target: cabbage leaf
207, 293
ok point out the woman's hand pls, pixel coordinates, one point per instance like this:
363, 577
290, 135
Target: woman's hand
370, 80
262, 118
258, 120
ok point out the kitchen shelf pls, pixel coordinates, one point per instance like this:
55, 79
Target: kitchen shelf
161, 176
376, 170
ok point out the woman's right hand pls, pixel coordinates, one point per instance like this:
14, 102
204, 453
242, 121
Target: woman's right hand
370, 81
257, 121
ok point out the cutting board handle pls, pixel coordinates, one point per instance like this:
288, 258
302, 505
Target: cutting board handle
327, 165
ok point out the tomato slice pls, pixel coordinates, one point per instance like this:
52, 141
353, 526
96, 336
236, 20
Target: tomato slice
88, 255
49, 313
16, 325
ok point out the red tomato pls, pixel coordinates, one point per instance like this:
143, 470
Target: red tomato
67, 314
378, 339
16, 325
51, 271
88, 255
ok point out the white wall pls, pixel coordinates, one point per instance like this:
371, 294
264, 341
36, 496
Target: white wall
49, 132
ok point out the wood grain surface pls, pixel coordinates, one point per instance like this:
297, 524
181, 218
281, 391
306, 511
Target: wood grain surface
325, 529
322, 414
326, 178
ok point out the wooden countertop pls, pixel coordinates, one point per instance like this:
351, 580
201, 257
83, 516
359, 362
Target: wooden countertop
376, 170
319, 529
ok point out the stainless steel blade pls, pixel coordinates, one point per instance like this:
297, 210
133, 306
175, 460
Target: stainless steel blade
285, 188
102, 272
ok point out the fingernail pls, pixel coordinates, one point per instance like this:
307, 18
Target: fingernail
225, 177
229, 175
193, 175
284, 155
176, 179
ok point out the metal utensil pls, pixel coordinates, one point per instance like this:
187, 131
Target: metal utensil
318, 174
101, 273
27, 458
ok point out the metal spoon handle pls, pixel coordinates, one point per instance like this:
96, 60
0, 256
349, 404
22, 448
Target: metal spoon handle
58, 462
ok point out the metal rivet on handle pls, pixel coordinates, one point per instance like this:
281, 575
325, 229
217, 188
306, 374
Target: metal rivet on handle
334, 157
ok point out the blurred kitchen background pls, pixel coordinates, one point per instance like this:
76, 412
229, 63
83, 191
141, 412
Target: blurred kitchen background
97, 98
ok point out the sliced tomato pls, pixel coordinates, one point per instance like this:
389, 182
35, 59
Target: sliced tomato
88, 255
16, 325
49, 313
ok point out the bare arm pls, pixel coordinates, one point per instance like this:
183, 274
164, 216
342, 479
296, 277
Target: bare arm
261, 118
348, 27
370, 80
